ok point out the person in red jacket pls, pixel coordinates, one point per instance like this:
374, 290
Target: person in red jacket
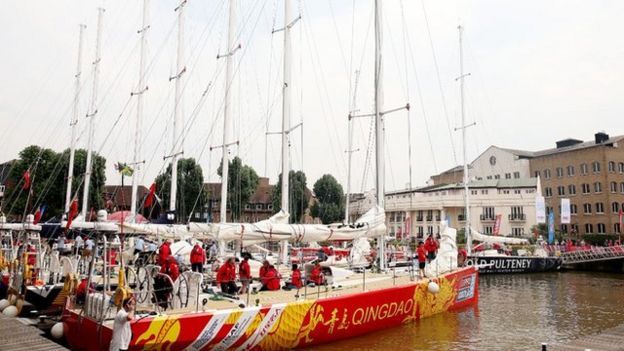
244, 273
316, 276
198, 258
422, 259
295, 279
170, 268
271, 280
431, 246
263, 269
164, 252
226, 277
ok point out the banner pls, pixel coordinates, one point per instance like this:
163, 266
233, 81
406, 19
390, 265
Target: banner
551, 227
565, 211
540, 209
497, 224
408, 225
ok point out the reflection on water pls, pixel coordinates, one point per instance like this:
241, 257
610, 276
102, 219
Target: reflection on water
515, 312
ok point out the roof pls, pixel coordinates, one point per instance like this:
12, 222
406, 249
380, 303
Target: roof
475, 184
580, 146
519, 153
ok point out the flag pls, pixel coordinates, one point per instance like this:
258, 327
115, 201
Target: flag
540, 209
26, 180
73, 212
565, 211
150, 197
124, 169
497, 224
551, 227
39, 214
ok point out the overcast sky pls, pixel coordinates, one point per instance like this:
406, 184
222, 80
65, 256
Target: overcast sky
540, 71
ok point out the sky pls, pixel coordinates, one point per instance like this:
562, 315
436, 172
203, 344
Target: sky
540, 71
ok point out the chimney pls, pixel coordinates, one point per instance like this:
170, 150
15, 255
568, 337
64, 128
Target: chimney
601, 137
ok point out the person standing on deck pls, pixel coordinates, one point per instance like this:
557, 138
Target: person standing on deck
422, 259
244, 273
122, 333
164, 252
431, 246
198, 258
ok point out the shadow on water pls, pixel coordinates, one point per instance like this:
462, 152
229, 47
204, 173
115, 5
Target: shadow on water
515, 312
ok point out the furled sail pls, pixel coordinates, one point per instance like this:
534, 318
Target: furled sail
476, 236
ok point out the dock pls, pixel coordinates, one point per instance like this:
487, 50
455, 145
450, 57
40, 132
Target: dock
608, 340
18, 336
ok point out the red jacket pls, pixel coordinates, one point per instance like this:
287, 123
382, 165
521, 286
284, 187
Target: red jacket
244, 271
296, 278
263, 271
271, 280
170, 268
197, 255
227, 273
431, 245
163, 253
422, 255
316, 276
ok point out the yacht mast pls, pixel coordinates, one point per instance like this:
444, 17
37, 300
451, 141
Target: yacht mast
350, 151
379, 125
178, 118
91, 115
286, 109
139, 116
74, 121
463, 128
225, 168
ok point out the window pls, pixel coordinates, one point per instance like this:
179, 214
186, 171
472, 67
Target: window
564, 228
547, 174
537, 174
621, 167
517, 213
559, 172
611, 166
583, 168
474, 192
270, 207
548, 192
484, 192
601, 228
517, 231
585, 188
599, 207
622, 187
616, 228
587, 208
517, 191
615, 207
574, 228
573, 209
420, 231
570, 171
549, 209
489, 177
516, 175
488, 213
597, 187
596, 167
497, 176
488, 230
561, 190
247, 206
429, 229
258, 206
507, 175
572, 189
589, 228
613, 187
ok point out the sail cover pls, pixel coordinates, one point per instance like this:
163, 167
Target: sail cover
496, 239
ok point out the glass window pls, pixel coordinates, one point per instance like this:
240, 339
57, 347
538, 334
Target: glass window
589, 228
583, 168
570, 171
615, 207
497, 176
621, 167
585, 188
516, 175
547, 174
601, 228
613, 187
537, 174
616, 228
587, 208
559, 172
599, 207
596, 167
573, 209
611, 166
597, 187
572, 189
561, 190
548, 192
622, 187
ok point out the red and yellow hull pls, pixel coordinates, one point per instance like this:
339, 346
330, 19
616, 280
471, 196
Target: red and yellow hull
284, 326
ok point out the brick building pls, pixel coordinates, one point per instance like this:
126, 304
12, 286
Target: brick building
591, 175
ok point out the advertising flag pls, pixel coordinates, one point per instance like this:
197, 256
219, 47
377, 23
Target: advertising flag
540, 209
497, 224
565, 211
551, 227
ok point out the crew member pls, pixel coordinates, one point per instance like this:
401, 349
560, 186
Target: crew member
164, 252
295, 279
271, 280
431, 246
198, 258
422, 259
122, 333
170, 267
244, 273
316, 276
226, 277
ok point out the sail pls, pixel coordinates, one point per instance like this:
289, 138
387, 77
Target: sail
166, 231
496, 239
98, 226
446, 259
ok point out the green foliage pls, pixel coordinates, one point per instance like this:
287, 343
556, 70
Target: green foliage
190, 195
599, 239
298, 200
242, 184
461, 236
330, 205
48, 174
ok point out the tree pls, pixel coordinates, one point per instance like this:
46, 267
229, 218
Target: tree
48, 173
299, 198
242, 183
330, 205
190, 194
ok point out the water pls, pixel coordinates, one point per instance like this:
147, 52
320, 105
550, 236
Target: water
515, 312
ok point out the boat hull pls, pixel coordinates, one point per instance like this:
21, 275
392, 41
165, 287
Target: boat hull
514, 264
285, 326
